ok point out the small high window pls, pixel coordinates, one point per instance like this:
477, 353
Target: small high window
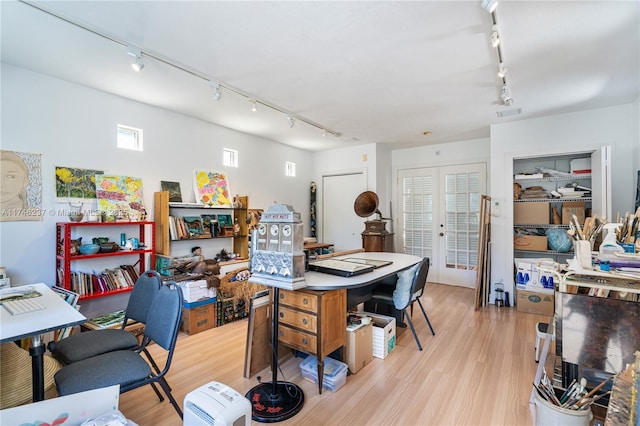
289, 168
230, 157
129, 138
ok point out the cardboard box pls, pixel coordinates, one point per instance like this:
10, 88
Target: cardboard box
530, 242
383, 334
535, 302
193, 291
569, 208
198, 318
359, 347
529, 277
531, 213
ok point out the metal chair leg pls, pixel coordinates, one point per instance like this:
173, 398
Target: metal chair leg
167, 391
426, 317
412, 329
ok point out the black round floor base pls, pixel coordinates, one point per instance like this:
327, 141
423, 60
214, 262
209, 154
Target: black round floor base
267, 407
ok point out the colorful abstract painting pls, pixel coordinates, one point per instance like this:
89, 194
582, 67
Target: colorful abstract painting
72, 183
212, 189
119, 196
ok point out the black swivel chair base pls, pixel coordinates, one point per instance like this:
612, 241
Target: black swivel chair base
267, 407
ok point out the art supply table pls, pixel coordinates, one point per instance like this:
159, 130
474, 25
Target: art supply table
57, 314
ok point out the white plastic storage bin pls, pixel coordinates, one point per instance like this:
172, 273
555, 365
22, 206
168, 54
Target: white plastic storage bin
335, 372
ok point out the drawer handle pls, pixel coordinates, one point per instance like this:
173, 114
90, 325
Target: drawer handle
304, 340
305, 301
304, 321
280, 333
281, 314
281, 295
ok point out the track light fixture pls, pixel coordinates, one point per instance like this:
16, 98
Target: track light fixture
138, 65
502, 71
505, 95
494, 39
489, 5
218, 92
291, 122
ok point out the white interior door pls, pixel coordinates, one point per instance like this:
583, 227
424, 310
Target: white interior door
440, 219
340, 225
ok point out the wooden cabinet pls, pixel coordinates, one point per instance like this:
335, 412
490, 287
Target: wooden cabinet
313, 322
164, 210
64, 256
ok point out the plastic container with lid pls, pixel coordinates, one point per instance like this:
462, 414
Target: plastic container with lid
334, 376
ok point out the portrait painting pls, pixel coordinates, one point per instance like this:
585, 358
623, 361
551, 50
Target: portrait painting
21, 186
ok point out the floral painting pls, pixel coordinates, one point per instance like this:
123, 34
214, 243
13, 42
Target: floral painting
119, 196
212, 189
72, 183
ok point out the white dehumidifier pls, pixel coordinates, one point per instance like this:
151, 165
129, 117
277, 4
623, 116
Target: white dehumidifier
216, 404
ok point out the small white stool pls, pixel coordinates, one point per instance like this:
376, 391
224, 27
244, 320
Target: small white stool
541, 333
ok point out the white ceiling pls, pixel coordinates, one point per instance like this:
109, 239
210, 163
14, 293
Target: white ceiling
376, 72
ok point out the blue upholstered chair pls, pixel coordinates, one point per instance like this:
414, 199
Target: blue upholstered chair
129, 368
84, 345
407, 289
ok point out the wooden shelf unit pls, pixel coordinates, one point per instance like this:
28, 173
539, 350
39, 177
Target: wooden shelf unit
64, 256
163, 209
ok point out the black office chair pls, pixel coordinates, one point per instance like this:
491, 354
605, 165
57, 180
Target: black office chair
407, 289
87, 344
127, 368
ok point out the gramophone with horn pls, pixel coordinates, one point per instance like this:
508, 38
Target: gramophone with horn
375, 236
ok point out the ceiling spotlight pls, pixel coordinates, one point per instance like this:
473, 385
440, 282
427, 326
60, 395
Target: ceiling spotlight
494, 39
138, 65
218, 92
502, 70
254, 108
324, 132
291, 122
489, 5
505, 95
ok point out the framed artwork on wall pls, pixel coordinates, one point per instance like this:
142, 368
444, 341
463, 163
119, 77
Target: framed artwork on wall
74, 184
20, 186
120, 196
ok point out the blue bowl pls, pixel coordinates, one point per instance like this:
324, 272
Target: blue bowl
89, 248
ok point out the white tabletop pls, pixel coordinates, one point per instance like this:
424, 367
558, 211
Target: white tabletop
56, 315
322, 281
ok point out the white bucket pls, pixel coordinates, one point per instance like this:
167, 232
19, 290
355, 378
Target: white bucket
548, 414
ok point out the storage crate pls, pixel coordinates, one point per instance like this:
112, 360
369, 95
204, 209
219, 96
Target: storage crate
192, 291
334, 376
384, 334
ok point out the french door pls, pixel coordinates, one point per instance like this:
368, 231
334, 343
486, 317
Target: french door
439, 218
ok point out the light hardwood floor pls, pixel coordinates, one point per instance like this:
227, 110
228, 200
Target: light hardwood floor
476, 370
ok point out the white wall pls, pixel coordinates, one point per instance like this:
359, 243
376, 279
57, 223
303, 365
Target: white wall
581, 131
72, 125
350, 159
